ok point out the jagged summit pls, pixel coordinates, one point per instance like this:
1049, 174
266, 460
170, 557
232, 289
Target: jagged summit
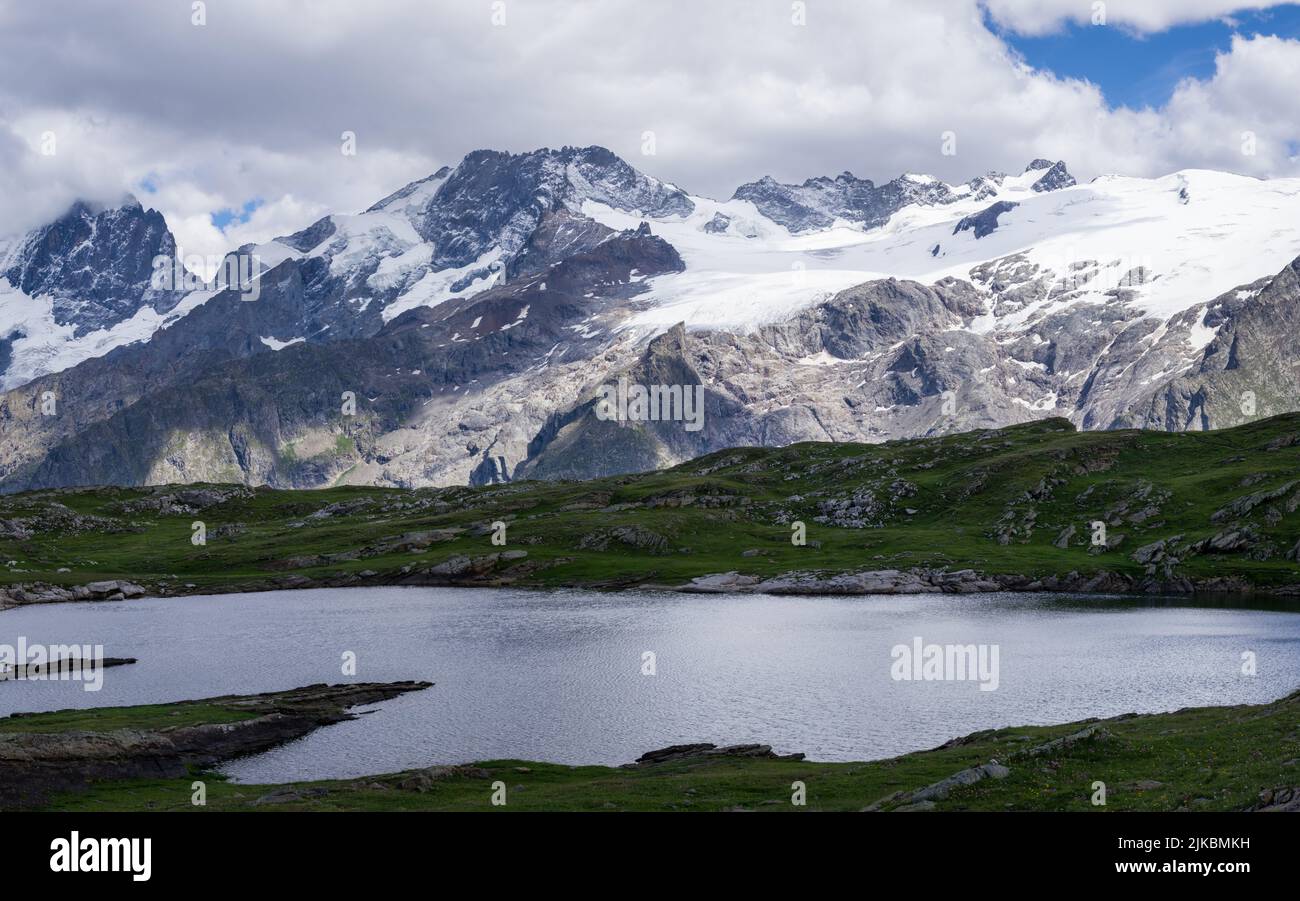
1054, 178
94, 263
820, 201
494, 197
66, 285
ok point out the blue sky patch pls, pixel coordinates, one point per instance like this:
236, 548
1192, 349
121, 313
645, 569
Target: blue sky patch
1137, 70
223, 219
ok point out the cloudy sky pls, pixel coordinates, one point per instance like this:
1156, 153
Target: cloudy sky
228, 115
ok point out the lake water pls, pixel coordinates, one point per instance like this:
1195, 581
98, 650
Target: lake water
559, 676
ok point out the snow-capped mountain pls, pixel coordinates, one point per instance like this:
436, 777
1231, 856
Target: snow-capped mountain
820, 203
456, 232
79, 286
475, 314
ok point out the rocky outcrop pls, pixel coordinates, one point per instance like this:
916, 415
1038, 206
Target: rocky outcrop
1054, 178
42, 593
882, 581
819, 202
1284, 799
633, 537
924, 798
967, 581
495, 198
720, 583
704, 751
985, 222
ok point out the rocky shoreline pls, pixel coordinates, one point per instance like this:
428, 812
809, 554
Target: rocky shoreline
1150, 761
969, 581
485, 572
45, 593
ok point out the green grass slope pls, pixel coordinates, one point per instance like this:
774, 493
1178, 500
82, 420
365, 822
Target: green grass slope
1019, 500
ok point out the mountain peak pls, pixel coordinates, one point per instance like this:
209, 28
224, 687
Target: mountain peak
409, 191
87, 271
1055, 176
820, 201
495, 199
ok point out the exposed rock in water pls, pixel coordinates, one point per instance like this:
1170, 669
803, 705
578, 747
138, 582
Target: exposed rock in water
68, 665
35, 764
704, 750
721, 583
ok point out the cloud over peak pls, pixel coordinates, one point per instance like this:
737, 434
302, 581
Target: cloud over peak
256, 102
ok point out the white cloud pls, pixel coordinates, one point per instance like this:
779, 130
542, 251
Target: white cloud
1037, 17
253, 104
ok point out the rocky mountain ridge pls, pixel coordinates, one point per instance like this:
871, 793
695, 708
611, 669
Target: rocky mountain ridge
473, 317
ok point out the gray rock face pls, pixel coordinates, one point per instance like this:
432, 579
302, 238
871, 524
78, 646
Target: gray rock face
1247, 370
718, 224
1055, 178
93, 267
321, 229
985, 222
559, 234
209, 397
525, 208
909, 366
494, 197
818, 202
897, 359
